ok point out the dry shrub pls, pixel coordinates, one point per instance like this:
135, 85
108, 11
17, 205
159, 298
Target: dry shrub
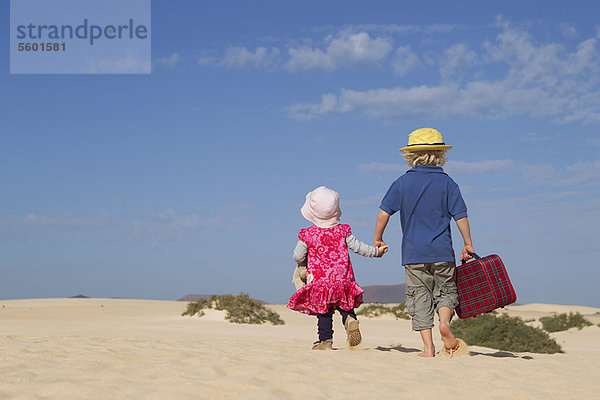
564, 321
377, 309
504, 333
239, 309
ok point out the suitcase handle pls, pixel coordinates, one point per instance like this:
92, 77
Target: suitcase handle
474, 255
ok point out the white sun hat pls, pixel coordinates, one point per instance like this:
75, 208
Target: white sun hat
322, 207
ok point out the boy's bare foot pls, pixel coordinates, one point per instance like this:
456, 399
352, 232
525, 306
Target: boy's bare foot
450, 341
427, 354
428, 346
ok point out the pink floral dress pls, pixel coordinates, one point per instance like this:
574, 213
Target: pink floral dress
329, 275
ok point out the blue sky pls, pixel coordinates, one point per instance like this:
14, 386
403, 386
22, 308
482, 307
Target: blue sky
190, 180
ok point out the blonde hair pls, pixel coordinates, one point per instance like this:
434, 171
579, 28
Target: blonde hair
425, 157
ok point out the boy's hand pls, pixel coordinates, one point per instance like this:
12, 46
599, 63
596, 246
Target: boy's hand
465, 256
379, 243
381, 250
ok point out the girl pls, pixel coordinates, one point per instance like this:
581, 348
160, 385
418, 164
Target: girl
330, 281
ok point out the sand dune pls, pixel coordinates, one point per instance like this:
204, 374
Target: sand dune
140, 349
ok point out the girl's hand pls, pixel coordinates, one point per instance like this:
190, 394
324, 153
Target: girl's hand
381, 250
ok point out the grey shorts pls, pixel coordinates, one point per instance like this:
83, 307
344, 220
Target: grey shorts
428, 288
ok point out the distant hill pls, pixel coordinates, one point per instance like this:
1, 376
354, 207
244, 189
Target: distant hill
384, 293
79, 296
373, 294
196, 297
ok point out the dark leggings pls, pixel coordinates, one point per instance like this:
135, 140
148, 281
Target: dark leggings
325, 322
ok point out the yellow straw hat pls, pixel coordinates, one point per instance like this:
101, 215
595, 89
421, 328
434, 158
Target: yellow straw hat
425, 139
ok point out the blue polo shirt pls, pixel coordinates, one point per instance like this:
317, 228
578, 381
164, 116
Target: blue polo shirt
427, 199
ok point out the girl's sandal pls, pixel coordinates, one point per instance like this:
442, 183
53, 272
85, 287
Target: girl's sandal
323, 345
353, 335
459, 350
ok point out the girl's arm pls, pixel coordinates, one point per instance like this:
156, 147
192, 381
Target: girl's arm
362, 248
300, 252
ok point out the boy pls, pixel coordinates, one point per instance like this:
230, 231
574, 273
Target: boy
427, 199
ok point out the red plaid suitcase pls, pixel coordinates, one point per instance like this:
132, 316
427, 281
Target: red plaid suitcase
483, 285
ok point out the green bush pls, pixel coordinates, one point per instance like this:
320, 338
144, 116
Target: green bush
197, 307
377, 309
239, 309
562, 322
504, 333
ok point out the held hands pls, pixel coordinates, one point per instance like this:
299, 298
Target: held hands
382, 248
465, 256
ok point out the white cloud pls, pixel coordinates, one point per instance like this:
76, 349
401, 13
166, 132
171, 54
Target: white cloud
406, 29
118, 199
127, 64
539, 174
493, 99
364, 201
382, 167
584, 173
404, 61
378, 103
457, 57
241, 57
593, 142
540, 80
153, 225
581, 174
349, 47
568, 31
168, 62
480, 167
204, 61
535, 137
533, 200
544, 204
453, 167
342, 51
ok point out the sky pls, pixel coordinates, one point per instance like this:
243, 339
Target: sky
190, 179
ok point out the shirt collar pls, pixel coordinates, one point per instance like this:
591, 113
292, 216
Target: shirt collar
427, 169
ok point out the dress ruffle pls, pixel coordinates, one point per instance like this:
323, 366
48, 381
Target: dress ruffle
329, 272
318, 296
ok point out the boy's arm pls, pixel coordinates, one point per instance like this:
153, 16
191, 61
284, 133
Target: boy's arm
380, 224
300, 252
465, 231
364, 249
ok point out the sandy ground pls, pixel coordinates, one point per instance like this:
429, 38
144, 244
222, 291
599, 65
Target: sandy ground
141, 349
